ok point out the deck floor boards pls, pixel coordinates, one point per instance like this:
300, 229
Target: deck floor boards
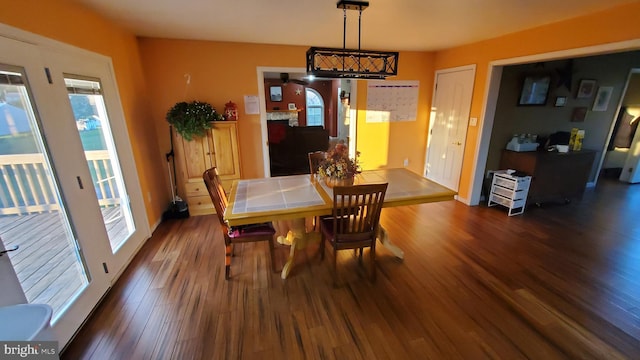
45, 263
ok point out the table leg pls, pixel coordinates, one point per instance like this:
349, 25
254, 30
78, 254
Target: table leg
289, 264
386, 242
296, 236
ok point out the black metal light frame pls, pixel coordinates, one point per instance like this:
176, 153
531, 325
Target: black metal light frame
351, 63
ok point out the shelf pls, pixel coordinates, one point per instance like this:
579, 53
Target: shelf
509, 191
284, 111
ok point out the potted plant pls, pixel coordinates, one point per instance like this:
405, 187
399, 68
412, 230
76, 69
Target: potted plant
191, 120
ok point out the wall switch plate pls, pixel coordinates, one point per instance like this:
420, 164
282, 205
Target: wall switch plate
473, 121
406, 162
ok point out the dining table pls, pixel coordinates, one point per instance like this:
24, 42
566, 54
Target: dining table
287, 201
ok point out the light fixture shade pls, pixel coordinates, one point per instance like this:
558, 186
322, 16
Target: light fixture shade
351, 63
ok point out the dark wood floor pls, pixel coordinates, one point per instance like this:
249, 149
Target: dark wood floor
556, 282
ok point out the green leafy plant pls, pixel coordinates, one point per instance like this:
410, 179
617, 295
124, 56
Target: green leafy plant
192, 119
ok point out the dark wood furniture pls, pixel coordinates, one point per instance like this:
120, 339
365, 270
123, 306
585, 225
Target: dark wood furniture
554, 176
289, 146
235, 234
354, 222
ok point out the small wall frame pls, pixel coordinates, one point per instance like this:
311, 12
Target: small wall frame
275, 93
535, 90
586, 89
602, 98
560, 101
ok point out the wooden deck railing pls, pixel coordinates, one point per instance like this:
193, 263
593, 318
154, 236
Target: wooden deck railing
27, 188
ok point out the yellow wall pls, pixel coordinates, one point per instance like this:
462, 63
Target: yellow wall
388, 144
68, 22
613, 25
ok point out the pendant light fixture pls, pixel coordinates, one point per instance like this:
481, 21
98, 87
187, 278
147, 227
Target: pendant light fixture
351, 63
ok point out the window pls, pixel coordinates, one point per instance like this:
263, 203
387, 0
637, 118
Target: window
315, 108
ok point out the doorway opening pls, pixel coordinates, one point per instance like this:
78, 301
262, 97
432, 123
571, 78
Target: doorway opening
309, 115
493, 89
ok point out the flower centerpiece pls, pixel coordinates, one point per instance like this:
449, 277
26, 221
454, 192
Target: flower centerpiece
338, 168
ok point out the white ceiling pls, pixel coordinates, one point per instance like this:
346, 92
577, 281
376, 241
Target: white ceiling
420, 25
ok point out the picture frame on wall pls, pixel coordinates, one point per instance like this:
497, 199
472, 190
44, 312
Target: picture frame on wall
275, 93
560, 101
586, 89
602, 98
535, 90
579, 114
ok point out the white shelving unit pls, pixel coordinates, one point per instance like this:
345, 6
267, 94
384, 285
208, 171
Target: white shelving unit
509, 191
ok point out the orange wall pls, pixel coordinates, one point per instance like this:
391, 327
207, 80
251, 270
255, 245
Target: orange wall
219, 72
223, 71
73, 24
613, 25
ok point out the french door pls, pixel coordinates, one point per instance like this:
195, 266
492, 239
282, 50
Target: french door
70, 203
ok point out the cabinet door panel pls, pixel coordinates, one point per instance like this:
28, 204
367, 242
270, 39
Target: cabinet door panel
225, 150
196, 156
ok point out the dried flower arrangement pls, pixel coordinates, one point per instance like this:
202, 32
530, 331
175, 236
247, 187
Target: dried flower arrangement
338, 164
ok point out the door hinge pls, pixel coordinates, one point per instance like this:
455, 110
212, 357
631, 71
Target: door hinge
104, 266
48, 73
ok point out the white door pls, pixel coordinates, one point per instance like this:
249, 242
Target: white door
88, 94
448, 125
49, 205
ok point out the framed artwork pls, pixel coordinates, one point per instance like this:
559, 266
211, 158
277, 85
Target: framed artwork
535, 90
275, 93
579, 114
561, 101
586, 89
602, 98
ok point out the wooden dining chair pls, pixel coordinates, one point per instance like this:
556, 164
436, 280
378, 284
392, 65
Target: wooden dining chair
315, 158
354, 222
235, 234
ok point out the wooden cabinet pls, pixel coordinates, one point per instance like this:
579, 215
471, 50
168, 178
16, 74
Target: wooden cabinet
554, 176
220, 149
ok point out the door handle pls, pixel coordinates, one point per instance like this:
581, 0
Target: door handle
6, 251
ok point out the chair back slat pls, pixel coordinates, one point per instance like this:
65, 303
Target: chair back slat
315, 159
216, 191
356, 211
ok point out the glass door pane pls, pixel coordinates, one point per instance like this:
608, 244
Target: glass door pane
92, 122
33, 215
